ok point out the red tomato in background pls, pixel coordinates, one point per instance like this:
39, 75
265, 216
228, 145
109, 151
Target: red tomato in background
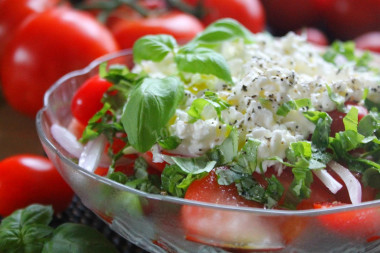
347, 19
290, 15
87, 99
314, 35
369, 41
181, 26
13, 13
248, 12
27, 179
364, 222
48, 46
337, 124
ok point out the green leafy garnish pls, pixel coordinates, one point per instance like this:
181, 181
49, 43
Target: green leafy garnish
153, 47
286, 107
26, 230
150, 107
203, 61
338, 100
223, 30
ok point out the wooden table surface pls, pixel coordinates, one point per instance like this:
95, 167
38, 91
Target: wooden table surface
17, 133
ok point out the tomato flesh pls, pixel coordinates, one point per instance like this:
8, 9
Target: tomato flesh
27, 179
337, 124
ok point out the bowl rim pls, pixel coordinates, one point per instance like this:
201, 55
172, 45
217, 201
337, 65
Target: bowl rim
181, 201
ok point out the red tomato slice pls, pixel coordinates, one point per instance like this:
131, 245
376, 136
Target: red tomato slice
87, 99
314, 35
28, 179
148, 156
363, 222
225, 228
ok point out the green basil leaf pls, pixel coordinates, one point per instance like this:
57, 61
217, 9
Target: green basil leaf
153, 47
371, 105
227, 151
33, 214
223, 30
320, 137
194, 165
119, 177
247, 157
299, 188
77, 238
338, 100
369, 124
10, 240
35, 236
371, 177
350, 121
170, 142
286, 107
175, 181
150, 107
203, 61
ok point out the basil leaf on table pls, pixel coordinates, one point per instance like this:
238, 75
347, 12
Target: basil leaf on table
203, 61
150, 107
153, 47
77, 238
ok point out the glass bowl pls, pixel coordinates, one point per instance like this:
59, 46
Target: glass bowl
159, 223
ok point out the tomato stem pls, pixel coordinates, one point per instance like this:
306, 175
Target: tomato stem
197, 11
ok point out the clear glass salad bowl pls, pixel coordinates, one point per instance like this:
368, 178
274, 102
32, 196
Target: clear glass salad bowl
159, 223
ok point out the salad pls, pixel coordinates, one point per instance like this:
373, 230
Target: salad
234, 118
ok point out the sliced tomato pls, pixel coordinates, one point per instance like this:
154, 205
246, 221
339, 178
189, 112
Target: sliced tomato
148, 156
226, 228
364, 222
337, 117
87, 99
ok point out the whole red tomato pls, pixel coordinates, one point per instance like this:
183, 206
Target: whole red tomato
13, 13
290, 15
181, 26
347, 19
46, 47
248, 12
26, 179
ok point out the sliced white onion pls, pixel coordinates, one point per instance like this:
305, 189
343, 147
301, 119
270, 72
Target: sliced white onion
90, 157
67, 140
353, 185
328, 180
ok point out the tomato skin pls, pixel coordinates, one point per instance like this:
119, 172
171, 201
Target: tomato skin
347, 19
87, 99
46, 47
290, 15
369, 41
26, 179
314, 35
363, 222
248, 12
181, 26
337, 124
13, 13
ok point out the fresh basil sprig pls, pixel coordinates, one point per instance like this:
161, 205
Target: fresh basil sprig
26, 230
153, 47
150, 107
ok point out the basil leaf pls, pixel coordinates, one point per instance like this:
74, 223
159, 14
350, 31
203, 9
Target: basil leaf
35, 236
195, 165
371, 177
203, 61
33, 214
320, 137
223, 30
299, 188
77, 238
118, 177
153, 47
176, 181
150, 107
286, 107
338, 100
371, 105
247, 157
369, 124
350, 121
170, 142
199, 104
226, 152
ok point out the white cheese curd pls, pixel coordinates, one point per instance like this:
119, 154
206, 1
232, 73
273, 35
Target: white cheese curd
266, 74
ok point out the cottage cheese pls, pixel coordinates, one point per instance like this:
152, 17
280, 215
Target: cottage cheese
273, 70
